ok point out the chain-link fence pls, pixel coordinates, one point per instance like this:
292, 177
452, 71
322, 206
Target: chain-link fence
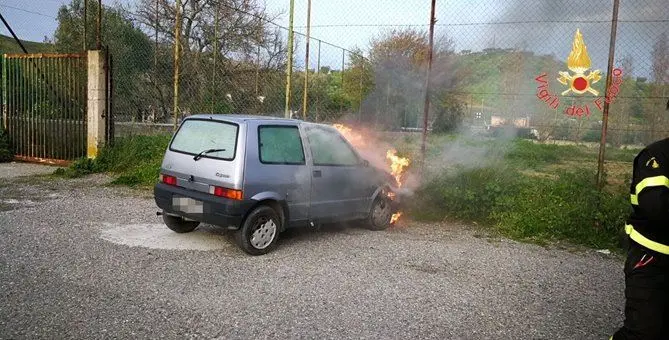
498, 65
233, 61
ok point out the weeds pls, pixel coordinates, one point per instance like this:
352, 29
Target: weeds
549, 203
134, 160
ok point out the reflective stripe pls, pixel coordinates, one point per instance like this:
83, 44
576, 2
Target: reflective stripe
634, 199
642, 240
656, 181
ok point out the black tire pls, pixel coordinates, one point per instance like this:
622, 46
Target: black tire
380, 214
259, 233
179, 225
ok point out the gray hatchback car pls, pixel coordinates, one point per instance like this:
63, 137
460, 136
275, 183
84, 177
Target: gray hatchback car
259, 175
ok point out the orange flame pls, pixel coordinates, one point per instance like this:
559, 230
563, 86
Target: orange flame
353, 137
397, 165
578, 60
395, 217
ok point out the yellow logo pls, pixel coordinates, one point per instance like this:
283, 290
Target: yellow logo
579, 63
653, 163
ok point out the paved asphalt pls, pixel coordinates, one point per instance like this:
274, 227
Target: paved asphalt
80, 259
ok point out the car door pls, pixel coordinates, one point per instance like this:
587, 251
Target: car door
278, 165
337, 178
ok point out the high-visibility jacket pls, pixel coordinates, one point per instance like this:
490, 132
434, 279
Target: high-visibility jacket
648, 225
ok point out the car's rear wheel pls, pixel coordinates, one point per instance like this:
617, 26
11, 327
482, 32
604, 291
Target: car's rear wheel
380, 214
178, 224
259, 233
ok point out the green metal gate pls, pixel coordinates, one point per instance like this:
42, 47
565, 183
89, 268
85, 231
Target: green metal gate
44, 106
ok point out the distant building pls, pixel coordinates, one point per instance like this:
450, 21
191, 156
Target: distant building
517, 122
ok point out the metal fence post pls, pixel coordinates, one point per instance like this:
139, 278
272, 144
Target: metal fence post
289, 65
318, 71
343, 65
305, 96
426, 106
177, 57
609, 79
4, 92
98, 38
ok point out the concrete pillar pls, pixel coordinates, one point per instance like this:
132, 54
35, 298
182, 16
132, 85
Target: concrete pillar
97, 90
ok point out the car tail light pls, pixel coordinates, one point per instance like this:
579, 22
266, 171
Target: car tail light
167, 179
227, 193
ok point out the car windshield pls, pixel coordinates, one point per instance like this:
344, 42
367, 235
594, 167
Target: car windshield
195, 136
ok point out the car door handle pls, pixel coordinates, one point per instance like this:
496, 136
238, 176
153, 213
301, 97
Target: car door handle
318, 173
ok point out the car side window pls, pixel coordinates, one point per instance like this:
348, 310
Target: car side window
280, 145
328, 148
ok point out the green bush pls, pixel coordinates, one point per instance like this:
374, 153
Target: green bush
568, 208
6, 153
136, 160
465, 194
525, 207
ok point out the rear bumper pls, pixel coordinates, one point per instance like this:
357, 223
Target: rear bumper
214, 210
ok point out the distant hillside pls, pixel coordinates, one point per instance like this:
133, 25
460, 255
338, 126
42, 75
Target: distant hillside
9, 45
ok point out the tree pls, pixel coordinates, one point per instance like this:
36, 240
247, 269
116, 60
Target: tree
129, 46
660, 55
233, 54
657, 117
448, 113
399, 59
358, 79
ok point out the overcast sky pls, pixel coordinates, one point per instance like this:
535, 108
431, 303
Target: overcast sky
543, 26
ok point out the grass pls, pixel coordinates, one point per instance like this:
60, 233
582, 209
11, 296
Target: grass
531, 192
9, 45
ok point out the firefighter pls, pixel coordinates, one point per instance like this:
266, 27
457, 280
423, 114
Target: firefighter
647, 265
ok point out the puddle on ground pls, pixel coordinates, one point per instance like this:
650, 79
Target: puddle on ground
158, 236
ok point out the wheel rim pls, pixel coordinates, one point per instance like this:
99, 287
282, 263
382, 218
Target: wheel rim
381, 213
263, 233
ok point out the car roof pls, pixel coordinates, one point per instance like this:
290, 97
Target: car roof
238, 118
241, 118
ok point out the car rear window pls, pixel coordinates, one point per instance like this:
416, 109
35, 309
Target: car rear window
195, 136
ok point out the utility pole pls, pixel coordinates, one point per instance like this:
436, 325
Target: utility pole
426, 106
306, 63
609, 79
289, 66
177, 59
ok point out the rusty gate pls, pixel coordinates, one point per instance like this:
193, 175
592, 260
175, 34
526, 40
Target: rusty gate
44, 106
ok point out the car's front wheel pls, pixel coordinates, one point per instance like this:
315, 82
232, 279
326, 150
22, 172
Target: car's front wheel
381, 213
259, 233
178, 224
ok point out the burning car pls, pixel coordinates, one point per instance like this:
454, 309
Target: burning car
259, 176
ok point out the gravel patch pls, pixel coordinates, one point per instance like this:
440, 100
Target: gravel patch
88, 261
